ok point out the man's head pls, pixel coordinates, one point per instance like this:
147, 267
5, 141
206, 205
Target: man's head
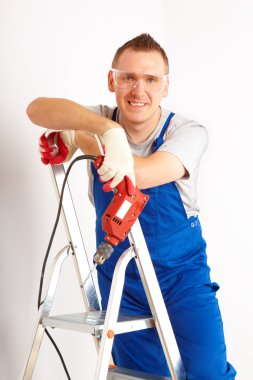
139, 79
145, 43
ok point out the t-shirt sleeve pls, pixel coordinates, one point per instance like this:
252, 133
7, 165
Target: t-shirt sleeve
187, 141
101, 110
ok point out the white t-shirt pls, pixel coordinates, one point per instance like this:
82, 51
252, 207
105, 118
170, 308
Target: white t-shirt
186, 139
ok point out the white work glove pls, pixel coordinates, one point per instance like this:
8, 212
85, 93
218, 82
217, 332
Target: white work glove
118, 160
57, 147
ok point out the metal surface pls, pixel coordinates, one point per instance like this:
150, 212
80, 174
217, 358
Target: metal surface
127, 374
93, 322
156, 303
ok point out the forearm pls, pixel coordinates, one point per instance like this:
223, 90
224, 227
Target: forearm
157, 169
60, 114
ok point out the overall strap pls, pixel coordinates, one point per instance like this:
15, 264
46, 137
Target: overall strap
159, 140
114, 115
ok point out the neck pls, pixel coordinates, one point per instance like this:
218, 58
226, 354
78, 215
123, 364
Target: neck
139, 132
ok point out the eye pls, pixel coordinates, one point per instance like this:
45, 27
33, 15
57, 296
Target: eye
150, 79
129, 77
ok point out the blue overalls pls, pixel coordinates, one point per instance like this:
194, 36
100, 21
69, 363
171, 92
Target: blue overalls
178, 254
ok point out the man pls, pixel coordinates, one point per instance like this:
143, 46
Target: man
160, 152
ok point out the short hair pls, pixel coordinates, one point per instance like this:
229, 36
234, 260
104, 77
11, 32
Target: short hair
143, 42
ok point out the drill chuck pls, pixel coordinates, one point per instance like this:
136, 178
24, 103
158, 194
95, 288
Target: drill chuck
103, 253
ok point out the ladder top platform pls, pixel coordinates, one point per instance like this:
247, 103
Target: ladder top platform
93, 322
127, 374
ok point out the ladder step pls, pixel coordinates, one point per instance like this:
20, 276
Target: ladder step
93, 322
127, 374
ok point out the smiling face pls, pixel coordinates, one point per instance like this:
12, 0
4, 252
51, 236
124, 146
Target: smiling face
139, 105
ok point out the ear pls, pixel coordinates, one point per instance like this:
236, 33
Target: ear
110, 82
166, 88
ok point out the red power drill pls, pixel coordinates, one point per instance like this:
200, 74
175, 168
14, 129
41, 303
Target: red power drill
119, 216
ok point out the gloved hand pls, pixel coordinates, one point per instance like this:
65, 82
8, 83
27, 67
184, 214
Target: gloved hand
118, 161
57, 147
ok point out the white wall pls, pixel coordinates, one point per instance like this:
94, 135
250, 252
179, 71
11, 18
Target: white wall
210, 45
64, 48
49, 48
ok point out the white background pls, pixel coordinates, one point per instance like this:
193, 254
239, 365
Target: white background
63, 48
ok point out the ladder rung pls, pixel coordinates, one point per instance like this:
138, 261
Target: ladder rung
127, 374
93, 322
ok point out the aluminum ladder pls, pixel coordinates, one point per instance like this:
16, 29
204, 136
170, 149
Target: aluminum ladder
104, 325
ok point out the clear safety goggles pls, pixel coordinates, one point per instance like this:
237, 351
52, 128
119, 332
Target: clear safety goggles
128, 80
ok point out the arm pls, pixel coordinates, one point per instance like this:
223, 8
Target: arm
60, 114
154, 170
178, 157
157, 169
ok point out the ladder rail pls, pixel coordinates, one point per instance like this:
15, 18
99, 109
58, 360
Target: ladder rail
73, 232
81, 263
112, 313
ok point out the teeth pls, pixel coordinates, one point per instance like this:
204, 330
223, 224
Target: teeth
137, 104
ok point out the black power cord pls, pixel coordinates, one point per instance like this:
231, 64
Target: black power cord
79, 158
